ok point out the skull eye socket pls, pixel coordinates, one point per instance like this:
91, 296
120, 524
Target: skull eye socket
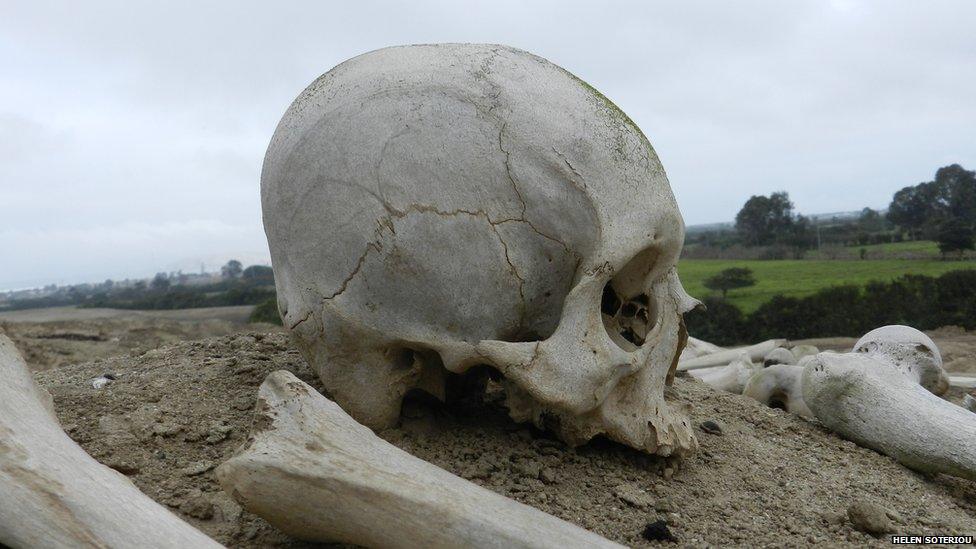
629, 314
610, 303
628, 324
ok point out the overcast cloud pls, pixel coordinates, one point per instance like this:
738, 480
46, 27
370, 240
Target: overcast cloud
132, 133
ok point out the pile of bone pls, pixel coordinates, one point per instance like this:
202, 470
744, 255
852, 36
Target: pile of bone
885, 394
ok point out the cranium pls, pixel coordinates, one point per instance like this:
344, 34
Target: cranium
434, 208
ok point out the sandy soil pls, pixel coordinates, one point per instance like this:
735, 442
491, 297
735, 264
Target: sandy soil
59, 336
768, 480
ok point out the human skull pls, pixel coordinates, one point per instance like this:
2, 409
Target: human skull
433, 208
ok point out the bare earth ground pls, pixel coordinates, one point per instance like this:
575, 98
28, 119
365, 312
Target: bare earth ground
770, 479
58, 336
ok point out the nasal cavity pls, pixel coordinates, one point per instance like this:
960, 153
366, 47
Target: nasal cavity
628, 313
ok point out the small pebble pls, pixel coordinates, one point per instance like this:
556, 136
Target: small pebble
198, 468
198, 507
633, 495
100, 382
124, 467
530, 469
166, 429
548, 475
664, 505
711, 427
218, 433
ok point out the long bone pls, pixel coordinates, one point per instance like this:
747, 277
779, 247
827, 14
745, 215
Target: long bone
857, 397
730, 378
755, 353
695, 347
779, 355
53, 494
965, 382
316, 474
908, 351
777, 386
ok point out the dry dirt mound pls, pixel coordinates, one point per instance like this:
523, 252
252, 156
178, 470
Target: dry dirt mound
768, 479
61, 336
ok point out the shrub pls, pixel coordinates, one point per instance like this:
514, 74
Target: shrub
731, 279
266, 311
722, 323
920, 301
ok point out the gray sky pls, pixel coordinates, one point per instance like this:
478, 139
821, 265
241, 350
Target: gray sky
132, 133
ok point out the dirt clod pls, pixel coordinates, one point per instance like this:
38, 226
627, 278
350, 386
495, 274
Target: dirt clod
870, 518
633, 495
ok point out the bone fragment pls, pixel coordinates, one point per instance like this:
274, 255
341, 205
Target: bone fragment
53, 494
802, 350
695, 347
730, 378
703, 346
313, 472
779, 386
965, 382
908, 351
779, 355
754, 352
856, 396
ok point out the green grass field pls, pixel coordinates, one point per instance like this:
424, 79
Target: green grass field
915, 246
916, 249
804, 277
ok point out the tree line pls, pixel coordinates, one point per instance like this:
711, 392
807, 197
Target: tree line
943, 210
920, 301
237, 286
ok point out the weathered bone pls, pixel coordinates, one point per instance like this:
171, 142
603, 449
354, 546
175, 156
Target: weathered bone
802, 350
730, 378
969, 403
857, 397
779, 386
432, 208
908, 351
779, 355
314, 473
964, 382
696, 347
53, 494
754, 352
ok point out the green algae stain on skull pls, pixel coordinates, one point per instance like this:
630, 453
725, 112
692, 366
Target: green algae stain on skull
617, 120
